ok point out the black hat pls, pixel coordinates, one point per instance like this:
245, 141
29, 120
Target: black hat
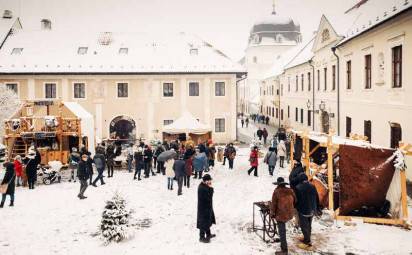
280, 181
207, 177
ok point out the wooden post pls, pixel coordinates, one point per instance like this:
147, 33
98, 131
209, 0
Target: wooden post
404, 196
330, 171
60, 132
307, 155
292, 147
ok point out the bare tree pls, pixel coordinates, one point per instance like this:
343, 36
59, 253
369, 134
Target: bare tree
9, 104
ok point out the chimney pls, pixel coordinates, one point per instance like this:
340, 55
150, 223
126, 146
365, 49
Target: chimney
45, 24
7, 14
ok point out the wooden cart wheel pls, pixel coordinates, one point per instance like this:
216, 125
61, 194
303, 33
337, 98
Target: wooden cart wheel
270, 226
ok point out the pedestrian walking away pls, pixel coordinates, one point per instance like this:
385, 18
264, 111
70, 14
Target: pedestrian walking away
138, 163
270, 159
31, 162
282, 210
170, 173
8, 184
254, 161
231, 154
259, 134
265, 135
247, 122
179, 167
83, 175
205, 213
281, 153
100, 163
110, 155
74, 160
242, 121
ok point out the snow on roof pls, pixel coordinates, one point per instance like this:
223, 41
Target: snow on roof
372, 13
186, 124
304, 55
58, 52
5, 26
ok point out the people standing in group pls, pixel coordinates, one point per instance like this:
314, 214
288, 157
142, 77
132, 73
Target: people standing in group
18, 168
307, 206
74, 160
83, 175
282, 210
259, 133
199, 163
129, 157
242, 121
110, 156
254, 161
265, 135
148, 156
205, 213
270, 159
138, 163
247, 122
179, 167
231, 154
8, 183
157, 164
170, 173
100, 163
281, 153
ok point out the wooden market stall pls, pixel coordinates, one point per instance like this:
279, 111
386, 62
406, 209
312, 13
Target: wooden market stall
334, 159
187, 128
53, 127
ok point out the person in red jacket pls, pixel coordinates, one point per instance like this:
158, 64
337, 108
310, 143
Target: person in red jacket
254, 162
18, 168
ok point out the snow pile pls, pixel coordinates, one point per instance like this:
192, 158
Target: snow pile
399, 161
115, 225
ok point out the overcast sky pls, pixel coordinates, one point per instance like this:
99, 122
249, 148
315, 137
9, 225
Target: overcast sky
224, 23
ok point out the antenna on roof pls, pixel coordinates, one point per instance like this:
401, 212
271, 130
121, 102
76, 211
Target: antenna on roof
274, 7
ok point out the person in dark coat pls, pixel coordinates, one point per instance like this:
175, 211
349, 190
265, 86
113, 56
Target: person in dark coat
270, 159
265, 135
138, 163
157, 164
225, 155
247, 121
179, 167
205, 213
188, 157
231, 154
83, 175
307, 206
282, 209
242, 121
148, 156
89, 161
31, 168
259, 134
110, 155
297, 169
100, 163
9, 179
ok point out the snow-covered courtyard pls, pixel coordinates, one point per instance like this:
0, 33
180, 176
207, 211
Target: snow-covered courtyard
52, 220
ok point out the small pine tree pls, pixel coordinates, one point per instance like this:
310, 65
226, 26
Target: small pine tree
115, 225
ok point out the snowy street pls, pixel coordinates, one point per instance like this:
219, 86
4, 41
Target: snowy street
52, 220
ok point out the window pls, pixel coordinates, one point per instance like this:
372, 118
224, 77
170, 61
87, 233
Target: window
277, 113
288, 84
122, 89
79, 90
296, 83
255, 59
296, 114
123, 51
281, 89
309, 81
193, 89
302, 82
349, 74
16, 51
348, 126
309, 118
318, 80
219, 89
168, 89
333, 77
194, 51
167, 122
397, 67
368, 71
368, 129
301, 116
219, 125
12, 86
281, 114
82, 50
396, 135
325, 77
288, 111
50, 90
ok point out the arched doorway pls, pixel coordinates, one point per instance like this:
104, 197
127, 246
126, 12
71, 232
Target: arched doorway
123, 127
325, 122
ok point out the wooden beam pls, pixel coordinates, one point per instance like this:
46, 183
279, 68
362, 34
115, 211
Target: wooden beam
404, 195
330, 172
398, 222
314, 149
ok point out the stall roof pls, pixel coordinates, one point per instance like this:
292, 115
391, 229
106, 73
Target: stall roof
186, 124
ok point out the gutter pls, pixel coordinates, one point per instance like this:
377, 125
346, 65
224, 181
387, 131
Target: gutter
337, 87
238, 74
313, 93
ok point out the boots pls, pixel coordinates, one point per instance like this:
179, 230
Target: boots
1, 204
11, 203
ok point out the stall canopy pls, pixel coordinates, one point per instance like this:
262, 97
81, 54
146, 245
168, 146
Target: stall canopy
87, 123
186, 124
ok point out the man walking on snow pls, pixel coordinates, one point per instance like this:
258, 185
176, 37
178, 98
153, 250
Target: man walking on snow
205, 213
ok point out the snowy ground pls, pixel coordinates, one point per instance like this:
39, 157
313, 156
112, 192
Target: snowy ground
52, 220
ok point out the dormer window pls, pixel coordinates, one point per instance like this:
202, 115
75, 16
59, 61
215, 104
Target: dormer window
82, 50
194, 51
16, 51
123, 51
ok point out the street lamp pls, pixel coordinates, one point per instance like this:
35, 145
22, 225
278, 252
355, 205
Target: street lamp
308, 104
322, 106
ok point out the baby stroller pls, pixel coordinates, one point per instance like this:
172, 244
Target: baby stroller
50, 174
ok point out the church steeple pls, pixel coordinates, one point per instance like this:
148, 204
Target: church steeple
274, 7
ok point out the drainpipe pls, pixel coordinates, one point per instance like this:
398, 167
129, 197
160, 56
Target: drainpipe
313, 94
237, 100
337, 87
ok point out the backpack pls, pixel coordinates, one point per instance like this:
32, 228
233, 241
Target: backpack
99, 163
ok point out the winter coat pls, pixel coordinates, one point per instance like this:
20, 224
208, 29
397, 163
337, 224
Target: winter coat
180, 168
254, 158
212, 153
31, 168
281, 149
200, 162
189, 166
293, 176
189, 153
169, 168
205, 213
138, 160
110, 155
18, 168
307, 198
82, 171
9, 178
282, 207
231, 152
270, 158
259, 133
265, 133
159, 150
99, 161
74, 159
89, 164
147, 155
